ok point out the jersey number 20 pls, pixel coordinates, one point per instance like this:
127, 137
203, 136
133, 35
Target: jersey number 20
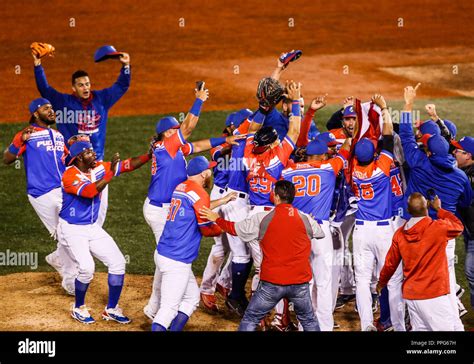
307, 186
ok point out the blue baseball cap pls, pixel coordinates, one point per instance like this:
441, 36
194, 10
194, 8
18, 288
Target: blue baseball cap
241, 116
105, 52
198, 165
77, 148
166, 123
230, 119
466, 144
437, 145
328, 138
430, 127
364, 150
316, 147
37, 103
451, 127
349, 112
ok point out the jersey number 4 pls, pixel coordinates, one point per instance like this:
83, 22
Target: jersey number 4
174, 208
307, 186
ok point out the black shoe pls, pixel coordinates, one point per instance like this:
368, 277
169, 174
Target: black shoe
343, 299
237, 306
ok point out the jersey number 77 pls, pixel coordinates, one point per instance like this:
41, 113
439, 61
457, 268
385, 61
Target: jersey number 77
174, 208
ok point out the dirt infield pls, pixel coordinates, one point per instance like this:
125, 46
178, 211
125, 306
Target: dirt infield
42, 305
174, 44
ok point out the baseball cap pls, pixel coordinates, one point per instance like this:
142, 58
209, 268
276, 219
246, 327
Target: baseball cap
105, 52
349, 112
328, 138
465, 143
430, 127
198, 165
437, 145
364, 150
241, 116
77, 148
166, 123
316, 147
230, 119
37, 103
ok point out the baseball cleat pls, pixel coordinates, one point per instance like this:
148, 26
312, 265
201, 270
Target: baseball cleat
148, 311
236, 306
53, 260
460, 292
383, 327
69, 287
370, 328
224, 292
209, 302
115, 314
286, 58
81, 314
336, 326
343, 299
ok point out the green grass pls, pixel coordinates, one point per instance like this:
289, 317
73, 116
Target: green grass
22, 231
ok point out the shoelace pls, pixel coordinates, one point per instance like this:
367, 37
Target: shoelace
83, 311
116, 311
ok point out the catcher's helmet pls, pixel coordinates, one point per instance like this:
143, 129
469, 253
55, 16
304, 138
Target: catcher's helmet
269, 92
263, 138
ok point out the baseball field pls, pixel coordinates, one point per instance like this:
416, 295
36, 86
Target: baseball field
349, 48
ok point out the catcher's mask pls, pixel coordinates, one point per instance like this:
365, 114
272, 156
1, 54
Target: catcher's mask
263, 139
269, 91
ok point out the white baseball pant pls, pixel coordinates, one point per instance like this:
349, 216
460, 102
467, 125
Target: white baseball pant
322, 264
104, 205
255, 249
47, 207
213, 273
179, 290
235, 211
156, 218
347, 286
83, 242
434, 314
451, 253
371, 242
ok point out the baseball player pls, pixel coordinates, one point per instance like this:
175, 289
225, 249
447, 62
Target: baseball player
315, 182
44, 152
214, 278
435, 170
79, 233
168, 169
85, 111
179, 246
373, 227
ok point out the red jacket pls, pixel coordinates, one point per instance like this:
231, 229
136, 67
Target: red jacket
422, 248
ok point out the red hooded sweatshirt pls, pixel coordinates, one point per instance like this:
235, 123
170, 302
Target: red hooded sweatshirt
422, 248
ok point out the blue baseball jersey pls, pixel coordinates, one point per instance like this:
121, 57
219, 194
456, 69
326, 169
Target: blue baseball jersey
181, 236
372, 188
397, 191
78, 208
437, 172
220, 171
43, 155
168, 167
263, 170
75, 116
314, 182
236, 173
277, 121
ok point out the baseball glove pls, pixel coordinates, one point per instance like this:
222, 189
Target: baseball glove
269, 93
41, 50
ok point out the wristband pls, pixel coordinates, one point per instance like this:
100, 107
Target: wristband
196, 108
217, 141
295, 108
13, 149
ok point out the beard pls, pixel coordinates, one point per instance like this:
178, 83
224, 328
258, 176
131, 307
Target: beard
47, 120
207, 182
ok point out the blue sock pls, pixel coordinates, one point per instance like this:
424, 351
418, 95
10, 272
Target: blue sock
179, 321
115, 288
240, 274
157, 327
81, 289
384, 307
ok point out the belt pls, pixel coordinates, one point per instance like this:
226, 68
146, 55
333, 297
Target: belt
265, 208
239, 194
379, 223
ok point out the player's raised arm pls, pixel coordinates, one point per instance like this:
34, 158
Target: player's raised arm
294, 93
207, 144
11, 153
316, 104
192, 117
